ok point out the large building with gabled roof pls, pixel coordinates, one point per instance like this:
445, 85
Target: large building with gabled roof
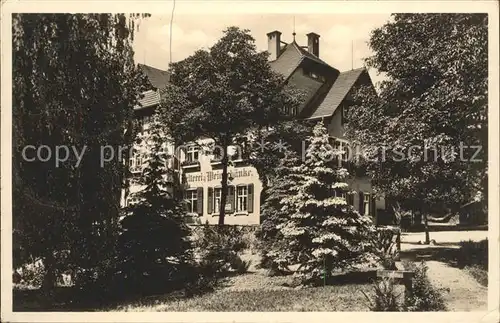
328, 94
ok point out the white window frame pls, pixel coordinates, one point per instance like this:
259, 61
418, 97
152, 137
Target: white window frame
366, 203
136, 162
217, 199
191, 152
192, 196
241, 199
342, 145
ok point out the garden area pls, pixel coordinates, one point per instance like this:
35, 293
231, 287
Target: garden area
453, 281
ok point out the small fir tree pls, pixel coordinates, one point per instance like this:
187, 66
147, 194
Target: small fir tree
154, 245
320, 232
270, 237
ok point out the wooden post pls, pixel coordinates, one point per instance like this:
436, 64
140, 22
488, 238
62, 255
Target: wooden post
398, 244
407, 281
400, 275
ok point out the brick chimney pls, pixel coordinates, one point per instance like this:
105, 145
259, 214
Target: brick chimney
273, 44
313, 43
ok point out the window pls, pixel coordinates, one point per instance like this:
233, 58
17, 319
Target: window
314, 75
345, 154
343, 110
192, 154
241, 198
366, 204
344, 147
217, 198
342, 195
136, 162
290, 111
192, 201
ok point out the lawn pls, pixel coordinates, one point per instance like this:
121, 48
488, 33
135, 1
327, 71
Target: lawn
329, 298
253, 291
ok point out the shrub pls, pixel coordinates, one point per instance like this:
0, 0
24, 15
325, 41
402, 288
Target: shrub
479, 274
425, 298
239, 265
217, 248
473, 254
32, 274
384, 246
385, 298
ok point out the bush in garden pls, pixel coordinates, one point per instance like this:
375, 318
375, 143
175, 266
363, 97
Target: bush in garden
383, 244
32, 274
473, 253
385, 298
217, 247
425, 298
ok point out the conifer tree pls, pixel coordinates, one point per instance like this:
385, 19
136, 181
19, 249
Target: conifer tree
273, 215
319, 231
154, 244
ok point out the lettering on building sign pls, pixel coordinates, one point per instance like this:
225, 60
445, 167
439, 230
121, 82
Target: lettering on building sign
211, 175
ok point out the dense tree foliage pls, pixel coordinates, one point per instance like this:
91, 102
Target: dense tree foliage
74, 85
154, 248
222, 93
427, 129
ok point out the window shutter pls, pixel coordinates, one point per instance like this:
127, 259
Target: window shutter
361, 203
373, 209
210, 200
199, 202
350, 199
185, 203
250, 198
230, 198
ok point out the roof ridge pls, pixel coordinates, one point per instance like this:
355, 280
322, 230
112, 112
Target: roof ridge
355, 69
149, 66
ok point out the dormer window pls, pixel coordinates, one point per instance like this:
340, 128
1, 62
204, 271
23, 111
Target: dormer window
314, 75
290, 111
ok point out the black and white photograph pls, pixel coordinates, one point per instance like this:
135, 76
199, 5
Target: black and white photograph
252, 157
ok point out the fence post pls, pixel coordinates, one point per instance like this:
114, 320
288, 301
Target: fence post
398, 244
407, 281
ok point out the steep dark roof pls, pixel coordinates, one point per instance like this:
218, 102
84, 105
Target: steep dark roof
337, 93
290, 58
309, 55
326, 101
287, 62
158, 78
150, 98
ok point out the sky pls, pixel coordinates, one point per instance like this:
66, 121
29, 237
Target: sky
343, 37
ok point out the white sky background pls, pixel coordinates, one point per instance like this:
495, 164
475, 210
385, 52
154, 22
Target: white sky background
192, 32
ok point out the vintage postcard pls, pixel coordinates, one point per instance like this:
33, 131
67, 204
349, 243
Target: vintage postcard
250, 161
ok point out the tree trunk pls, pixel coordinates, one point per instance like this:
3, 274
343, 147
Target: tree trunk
426, 228
223, 197
49, 278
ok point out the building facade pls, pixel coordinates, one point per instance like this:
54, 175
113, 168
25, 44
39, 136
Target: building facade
328, 96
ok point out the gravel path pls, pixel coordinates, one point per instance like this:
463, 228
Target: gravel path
462, 292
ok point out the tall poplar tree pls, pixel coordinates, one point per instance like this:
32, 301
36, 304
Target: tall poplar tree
74, 85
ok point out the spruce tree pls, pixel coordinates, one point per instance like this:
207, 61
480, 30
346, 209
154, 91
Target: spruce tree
270, 238
154, 245
320, 232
